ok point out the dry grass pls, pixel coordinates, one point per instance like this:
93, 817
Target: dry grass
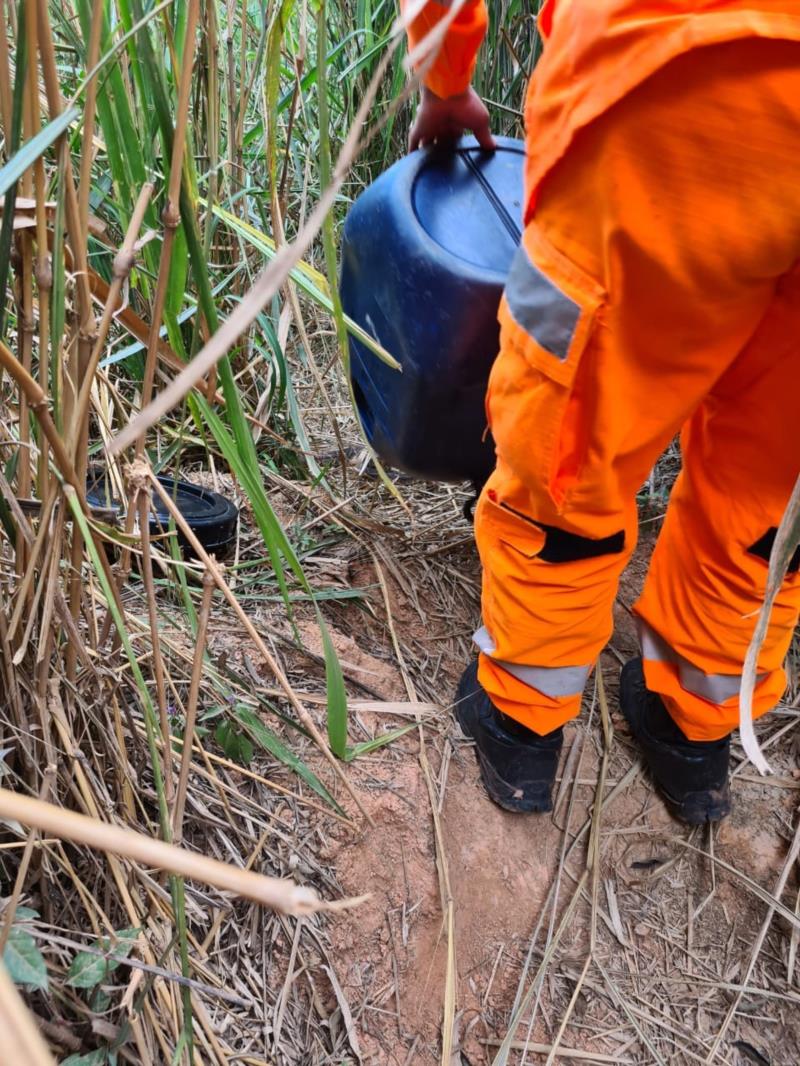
655, 943
188, 700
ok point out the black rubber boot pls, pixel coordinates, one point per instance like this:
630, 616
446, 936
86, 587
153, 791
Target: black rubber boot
691, 775
518, 766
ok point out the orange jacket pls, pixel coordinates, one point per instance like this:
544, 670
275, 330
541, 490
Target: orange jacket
597, 51
453, 67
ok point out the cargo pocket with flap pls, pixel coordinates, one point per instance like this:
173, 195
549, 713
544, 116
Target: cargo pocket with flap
548, 317
507, 542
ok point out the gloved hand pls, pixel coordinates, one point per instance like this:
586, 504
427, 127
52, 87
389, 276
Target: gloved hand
446, 119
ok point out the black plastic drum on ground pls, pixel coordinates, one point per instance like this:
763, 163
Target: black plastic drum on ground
211, 517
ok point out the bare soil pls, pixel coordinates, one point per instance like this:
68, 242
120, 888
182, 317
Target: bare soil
674, 930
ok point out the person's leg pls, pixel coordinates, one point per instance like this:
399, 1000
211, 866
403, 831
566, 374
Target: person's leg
654, 255
741, 457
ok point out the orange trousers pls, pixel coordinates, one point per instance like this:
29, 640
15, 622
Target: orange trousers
657, 290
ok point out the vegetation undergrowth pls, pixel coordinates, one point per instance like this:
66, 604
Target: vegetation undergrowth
155, 158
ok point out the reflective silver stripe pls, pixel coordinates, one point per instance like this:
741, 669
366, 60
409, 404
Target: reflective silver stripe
653, 646
549, 680
716, 688
483, 638
540, 307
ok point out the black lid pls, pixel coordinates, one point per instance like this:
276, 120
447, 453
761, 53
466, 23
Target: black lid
211, 517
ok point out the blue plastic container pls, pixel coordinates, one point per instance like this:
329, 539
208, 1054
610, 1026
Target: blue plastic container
425, 255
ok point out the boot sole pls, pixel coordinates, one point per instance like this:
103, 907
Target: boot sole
508, 797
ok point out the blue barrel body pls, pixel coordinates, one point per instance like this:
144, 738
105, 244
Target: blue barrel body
425, 254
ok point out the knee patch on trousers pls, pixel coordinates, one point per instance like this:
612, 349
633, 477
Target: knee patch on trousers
763, 547
560, 546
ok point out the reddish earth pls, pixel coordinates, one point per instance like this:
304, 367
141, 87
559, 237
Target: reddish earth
673, 940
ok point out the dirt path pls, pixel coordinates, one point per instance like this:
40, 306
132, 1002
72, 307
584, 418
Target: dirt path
674, 935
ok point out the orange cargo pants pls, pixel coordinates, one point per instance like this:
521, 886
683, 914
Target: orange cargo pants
657, 289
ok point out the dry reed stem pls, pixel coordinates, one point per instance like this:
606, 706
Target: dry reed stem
788, 867
123, 264
171, 213
73, 218
779, 557
273, 892
191, 708
90, 106
265, 285
575, 1054
22, 1042
10, 909
283, 681
141, 492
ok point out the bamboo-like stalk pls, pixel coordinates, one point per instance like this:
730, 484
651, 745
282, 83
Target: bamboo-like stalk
212, 567
191, 708
22, 1042
5, 72
280, 895
86, 323
24, 288
143, 507
43, 269
233, 177
76, 234
123, 264
171, 215
87, 150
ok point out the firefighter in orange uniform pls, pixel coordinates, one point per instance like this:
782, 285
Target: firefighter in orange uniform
656, 291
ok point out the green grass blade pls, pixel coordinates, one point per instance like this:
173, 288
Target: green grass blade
337, 697
309, 280
7, 231
271, 742
378, 742
32, 149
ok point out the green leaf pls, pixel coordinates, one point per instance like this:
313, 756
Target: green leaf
270, 741
236, 745
24, 961
88, 969
99, 1057
32, 149
25, 914
377, 742
100, 1000
337, 697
